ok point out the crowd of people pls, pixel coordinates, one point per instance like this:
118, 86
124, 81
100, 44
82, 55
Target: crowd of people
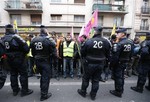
54, 57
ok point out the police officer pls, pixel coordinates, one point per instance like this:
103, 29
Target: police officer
42, 48
95, 51
16, 49
144, 65
113, 62
123, 56
3, 74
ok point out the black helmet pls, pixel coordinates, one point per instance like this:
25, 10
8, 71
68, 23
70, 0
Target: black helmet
9, 29
123, 30
42, 26
9, 26
98, 29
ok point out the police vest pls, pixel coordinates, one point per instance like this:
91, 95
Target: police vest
41, 46
68, 51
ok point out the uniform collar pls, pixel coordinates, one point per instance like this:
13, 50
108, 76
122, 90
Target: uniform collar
97, 35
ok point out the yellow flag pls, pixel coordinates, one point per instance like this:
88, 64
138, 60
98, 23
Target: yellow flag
15, 26
113, 30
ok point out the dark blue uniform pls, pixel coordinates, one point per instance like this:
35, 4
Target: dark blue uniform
95, 52
2, 71
144, 66
16, 49
113, 62
42, 49
122, 57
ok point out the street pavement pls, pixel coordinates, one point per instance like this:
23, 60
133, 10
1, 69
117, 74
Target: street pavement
65, 90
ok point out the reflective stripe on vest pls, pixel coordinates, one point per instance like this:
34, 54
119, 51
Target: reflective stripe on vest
68, 51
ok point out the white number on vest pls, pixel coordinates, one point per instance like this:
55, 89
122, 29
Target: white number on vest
127, 47
38, 46
98, 44
7, 46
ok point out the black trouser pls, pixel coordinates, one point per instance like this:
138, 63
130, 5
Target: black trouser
44, 68
30, 65
149, 78
55, 63
143, 70
135, 64
3, 75
93, 72
18, 67
119, 76
113, 64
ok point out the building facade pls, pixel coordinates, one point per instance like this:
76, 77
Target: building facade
61, 15
111, 12
142, 17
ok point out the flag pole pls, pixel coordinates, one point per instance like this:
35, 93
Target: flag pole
15, 26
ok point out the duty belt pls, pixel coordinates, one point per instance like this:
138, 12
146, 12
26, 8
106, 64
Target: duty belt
41, 56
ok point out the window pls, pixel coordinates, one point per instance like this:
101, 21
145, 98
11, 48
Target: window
35, 0
118, 2
15, 4
144, 24
55, 1
118, 21
36, 19
100, 20
79, 18
99, 1
56, 17
145, 3
79, 1
15, 17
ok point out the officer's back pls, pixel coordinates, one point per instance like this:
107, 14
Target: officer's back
96, 49
42, 46
13, 42
16, 48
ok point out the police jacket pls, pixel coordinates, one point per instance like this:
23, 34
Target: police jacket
42, 46
96, 49
2, 50
124, 50
145, 50
14, 44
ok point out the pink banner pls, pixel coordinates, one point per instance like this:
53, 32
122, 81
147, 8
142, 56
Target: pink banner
92, 23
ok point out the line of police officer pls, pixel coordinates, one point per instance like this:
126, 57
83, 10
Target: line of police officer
16, 49
95, 53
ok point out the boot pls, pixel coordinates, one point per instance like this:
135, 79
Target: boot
92, 96
81, 92
137, 89
116, 93
44, 97
28, 92
15, 93
148, 88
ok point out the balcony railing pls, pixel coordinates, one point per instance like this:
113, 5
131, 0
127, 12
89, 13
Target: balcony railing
145, 10
20, 5
110, 8
146, 27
